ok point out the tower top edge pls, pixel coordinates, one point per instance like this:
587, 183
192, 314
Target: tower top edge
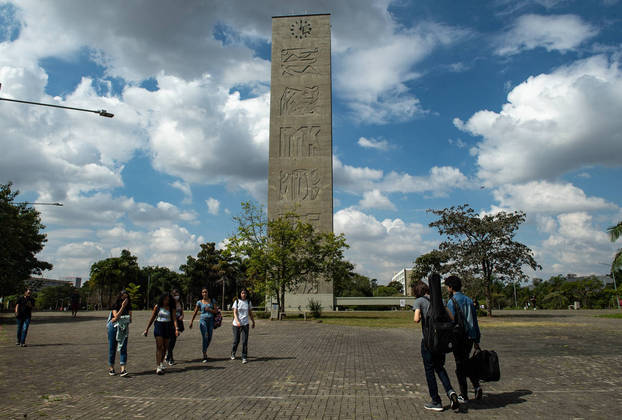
290, 16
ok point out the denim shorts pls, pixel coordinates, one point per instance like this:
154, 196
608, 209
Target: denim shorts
163, 329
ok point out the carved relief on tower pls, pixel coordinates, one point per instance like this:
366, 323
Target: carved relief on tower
299, 185
299, 142
299, 61
298, 102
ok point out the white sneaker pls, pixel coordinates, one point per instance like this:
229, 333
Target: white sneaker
233, 357
162, 366
244, 361
159, 370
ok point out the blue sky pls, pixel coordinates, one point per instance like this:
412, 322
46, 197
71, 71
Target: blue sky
505, 105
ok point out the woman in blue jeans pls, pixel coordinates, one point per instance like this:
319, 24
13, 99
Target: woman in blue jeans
118, 321
208, 309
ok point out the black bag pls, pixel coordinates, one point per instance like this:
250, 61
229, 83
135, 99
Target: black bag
440, 333
484, 364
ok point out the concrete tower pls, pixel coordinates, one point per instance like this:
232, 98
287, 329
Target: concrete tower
300, 175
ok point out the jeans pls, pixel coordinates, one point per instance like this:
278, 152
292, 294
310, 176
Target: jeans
461, 354
112, 346
22, 329
433, 362
236, 340
207, 328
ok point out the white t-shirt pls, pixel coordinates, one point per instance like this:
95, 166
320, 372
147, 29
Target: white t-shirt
243, 306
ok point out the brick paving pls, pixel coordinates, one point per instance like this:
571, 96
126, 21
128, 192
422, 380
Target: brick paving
561, 365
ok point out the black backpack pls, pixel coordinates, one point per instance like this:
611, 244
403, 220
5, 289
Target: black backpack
441, 334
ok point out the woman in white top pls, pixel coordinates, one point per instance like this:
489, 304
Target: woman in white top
242, 311
164, 328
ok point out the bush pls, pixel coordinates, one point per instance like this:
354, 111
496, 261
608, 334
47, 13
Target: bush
315, 307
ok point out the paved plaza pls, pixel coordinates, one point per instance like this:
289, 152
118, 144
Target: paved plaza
553, 365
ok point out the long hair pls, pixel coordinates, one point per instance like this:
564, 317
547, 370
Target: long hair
171, 305
119, 301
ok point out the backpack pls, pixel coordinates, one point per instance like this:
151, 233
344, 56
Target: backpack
441, 334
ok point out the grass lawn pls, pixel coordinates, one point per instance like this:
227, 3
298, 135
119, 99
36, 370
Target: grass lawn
619, 316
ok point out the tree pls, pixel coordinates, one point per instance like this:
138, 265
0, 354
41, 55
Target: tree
285, 254
111, 275
426, 264
615, 232
483, 246
133, 291
397, 286
206, 270
21, 239
157, 280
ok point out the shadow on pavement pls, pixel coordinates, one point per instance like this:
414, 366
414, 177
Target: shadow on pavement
174, 370
491, 401
42, 319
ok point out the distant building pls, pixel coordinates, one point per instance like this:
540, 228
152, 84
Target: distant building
403, 276
77, 281
38, 283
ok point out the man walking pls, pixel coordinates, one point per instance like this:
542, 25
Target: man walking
23, 313
432, 362
460, 302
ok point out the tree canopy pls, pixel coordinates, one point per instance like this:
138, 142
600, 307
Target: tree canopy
21, 239
285, 254
110, 275
483, 246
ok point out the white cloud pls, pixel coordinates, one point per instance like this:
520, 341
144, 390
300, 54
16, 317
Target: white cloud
576, 245
373, 144
380, 248
184, 187
546, 197
555, 32
438, 182
552, 124
372, 76
375, 200
213, 206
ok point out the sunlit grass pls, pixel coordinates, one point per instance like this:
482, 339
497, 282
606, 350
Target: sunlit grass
618, 316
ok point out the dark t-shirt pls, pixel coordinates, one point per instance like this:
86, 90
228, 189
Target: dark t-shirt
423, 304
75, 298
24, 308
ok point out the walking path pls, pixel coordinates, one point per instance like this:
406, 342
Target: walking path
553, 365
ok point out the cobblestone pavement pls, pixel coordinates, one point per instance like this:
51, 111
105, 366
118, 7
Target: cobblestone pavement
553, 365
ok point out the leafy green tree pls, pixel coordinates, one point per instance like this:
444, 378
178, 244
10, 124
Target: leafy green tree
21, 239
397, 286
483, 246
133, 290
386, 291
285, 254
615, 232
156, 280
206, 270
110, 275
426, 264
54, 297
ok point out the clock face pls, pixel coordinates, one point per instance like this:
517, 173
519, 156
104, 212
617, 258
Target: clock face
300, 29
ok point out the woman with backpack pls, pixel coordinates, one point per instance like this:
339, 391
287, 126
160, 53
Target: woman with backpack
242, 310
432, 361
165, 327
118, 329
179, 313
208, 310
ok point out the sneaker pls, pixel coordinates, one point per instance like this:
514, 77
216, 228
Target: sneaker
159, 370
24, 345
162, 366
204, 360
462, 400
478, 393
244, 361
170, 362
433, 406
233, 357
111, 372
453, 397
123, 373
18, 343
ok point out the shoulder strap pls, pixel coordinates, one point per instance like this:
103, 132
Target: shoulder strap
458, 311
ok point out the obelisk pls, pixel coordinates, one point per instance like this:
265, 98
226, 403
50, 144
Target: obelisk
300, 177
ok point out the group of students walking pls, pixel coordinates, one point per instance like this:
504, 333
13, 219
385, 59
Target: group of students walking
459, 306
167, 319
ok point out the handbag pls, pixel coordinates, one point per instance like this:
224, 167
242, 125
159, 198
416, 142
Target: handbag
484, 364
218, 319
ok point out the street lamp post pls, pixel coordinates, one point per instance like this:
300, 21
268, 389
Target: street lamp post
101, 112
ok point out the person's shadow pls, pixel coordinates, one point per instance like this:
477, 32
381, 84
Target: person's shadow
491, 401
